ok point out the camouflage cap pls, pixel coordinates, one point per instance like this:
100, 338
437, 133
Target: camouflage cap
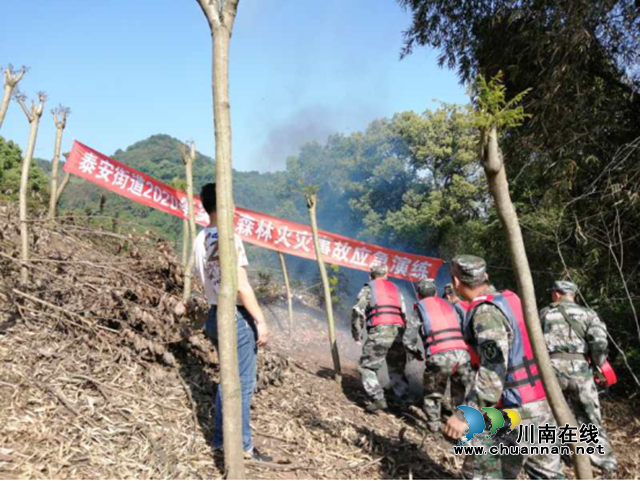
426, 287
566, 287
379, 270
469, 269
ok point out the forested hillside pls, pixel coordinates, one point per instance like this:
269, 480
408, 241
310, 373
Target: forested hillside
414, 182
159, 156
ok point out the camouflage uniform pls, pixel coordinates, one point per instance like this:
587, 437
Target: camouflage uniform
575, 375
384, 343
440, 368
489, 332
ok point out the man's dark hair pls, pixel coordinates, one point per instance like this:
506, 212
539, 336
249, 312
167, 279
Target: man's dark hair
208, 197
424, 291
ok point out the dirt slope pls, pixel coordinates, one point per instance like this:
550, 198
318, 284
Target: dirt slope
102, 375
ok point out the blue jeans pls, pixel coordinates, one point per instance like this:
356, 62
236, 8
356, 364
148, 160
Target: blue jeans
247, 352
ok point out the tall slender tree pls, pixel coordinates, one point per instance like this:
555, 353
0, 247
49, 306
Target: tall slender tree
220, 15
60, 115
33, 116
493, 112
11, 79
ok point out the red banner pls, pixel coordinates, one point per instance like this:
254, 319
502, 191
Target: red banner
253, 227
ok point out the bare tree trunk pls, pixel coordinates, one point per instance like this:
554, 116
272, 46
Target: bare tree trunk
6, 98
185, 242
11, 79
60, 119
333, 343
221, 25
288, 287
499, 187
188, 157
33, 116
63, 185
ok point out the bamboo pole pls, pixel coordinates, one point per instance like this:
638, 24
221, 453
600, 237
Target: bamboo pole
312, 201
288, 287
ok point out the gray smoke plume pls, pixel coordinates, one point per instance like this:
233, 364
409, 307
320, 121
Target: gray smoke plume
307, 124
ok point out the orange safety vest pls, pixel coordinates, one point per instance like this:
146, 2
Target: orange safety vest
440, 326
385, 306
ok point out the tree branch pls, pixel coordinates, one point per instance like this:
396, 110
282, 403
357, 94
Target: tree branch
229, 9
211, 12
20, 98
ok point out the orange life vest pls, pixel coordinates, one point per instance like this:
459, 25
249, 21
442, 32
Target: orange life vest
440, 325
385, 306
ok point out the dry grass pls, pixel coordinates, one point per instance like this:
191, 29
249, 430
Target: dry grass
103, 375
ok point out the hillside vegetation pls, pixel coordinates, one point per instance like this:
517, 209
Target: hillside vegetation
413, 182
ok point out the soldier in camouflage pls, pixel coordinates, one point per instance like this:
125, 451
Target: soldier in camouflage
574, 334
453, 365
383, 344
489, 332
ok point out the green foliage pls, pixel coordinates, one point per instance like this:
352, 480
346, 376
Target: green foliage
573, 164
11, 171
492, 109
338, 282
450, 190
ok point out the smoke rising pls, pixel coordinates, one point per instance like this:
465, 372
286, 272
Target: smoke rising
308, 124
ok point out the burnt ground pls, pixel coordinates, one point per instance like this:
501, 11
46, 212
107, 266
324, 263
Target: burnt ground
104, 374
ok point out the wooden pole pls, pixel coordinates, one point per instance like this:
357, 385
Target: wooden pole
288, 287
311, 204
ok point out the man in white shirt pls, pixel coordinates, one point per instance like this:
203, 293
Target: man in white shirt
251, 325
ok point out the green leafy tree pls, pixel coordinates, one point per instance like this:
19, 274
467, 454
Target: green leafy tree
574, 164
10, 171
